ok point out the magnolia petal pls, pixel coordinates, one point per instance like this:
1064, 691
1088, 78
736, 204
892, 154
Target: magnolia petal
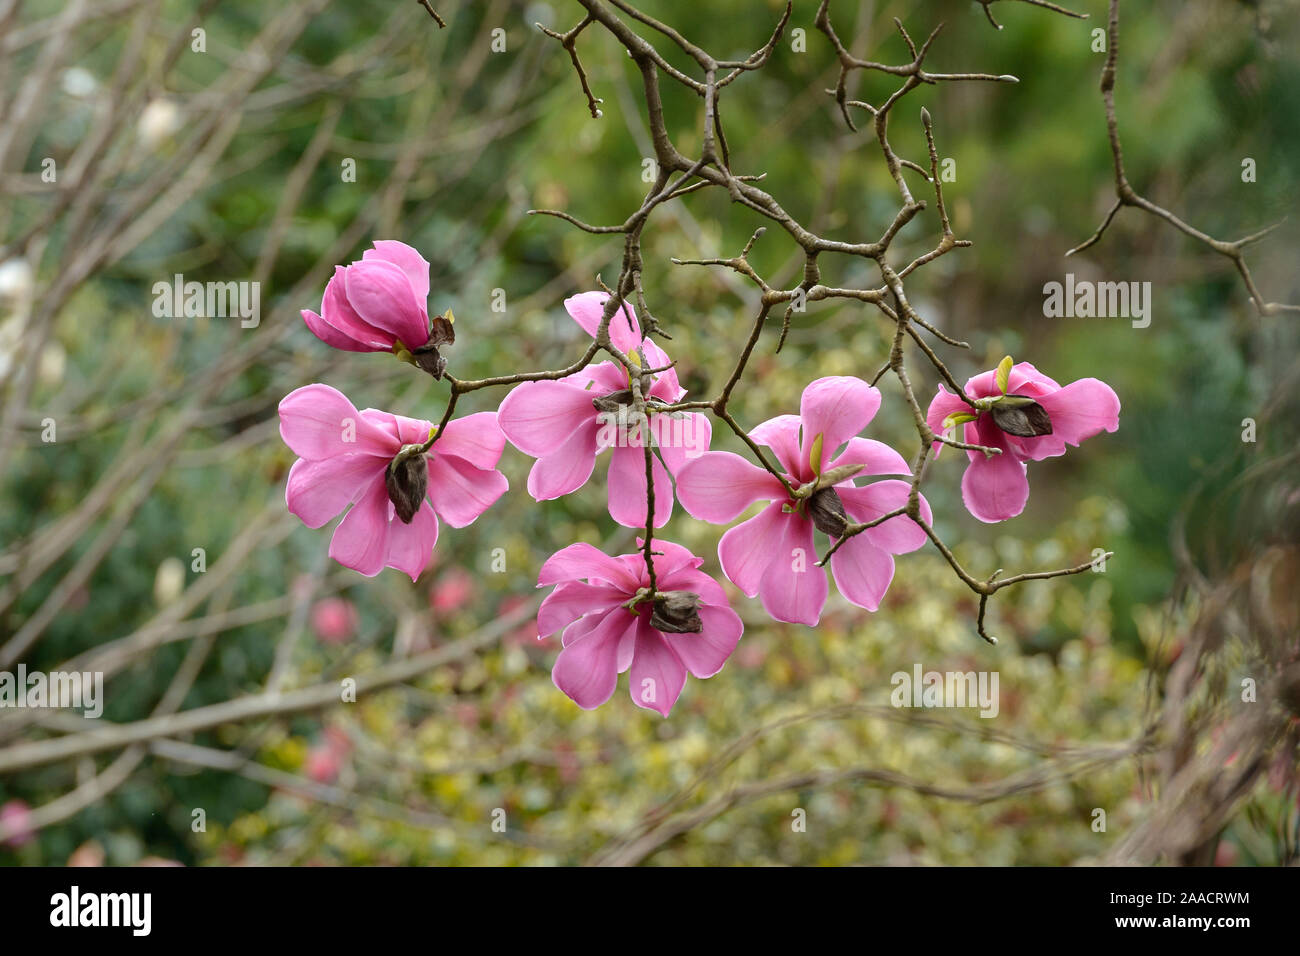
862, 571
793, 589
626, 488
657, 674
413, 265
836, 408
381, 294
360, 541
720, 485
318, 491
567, 468
539, 417
460, 492
746, 550
410, 546
587, 669
705, 653
582, 560
317, 421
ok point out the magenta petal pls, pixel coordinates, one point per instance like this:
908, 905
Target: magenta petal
793, 588
587, 668
878, 458
862, 572
459, 491
665, 385
360, 541
317, 421
475, 438
567, 468
658, 674
627, 488
587, 310
681, 438
410, 546
781, 434
413, 265
897, 535
1082, 409
582, 560
669, 558
332, 336
571, 600
318, 491
720, 485
705, 653
338, 313
836, 408
690, 579
746, 550
381, 294
996, 488
539, 417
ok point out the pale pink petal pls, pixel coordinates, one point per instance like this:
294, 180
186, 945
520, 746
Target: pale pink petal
582, 560
318, 491
459, 491
705, 653
413, 265
627, 488
587, 668
599, 378
477, 439
1082, 409
862, 572
317, 422
338, 313
836, 408
360, 541
410, 546
689, 579
668, 557
657, 675
781, 434
897, 535
720, 485
995, 488
793, 588
539, 417
381, 294
943, 404
878, 458
567, 468
747, 549
571, 600
665, 385
681, 438
332, 336
587, 310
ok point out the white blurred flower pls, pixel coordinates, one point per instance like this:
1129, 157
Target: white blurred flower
169, 582
158, 120
79, 82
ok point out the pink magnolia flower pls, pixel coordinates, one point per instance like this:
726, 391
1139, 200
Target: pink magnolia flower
772, 555
609, 627
345, 457
380, 304
1042, 418
558, 424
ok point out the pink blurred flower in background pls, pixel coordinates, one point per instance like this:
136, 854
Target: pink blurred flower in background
454, 589
16, 820
557, 423
345, 461
334, 620
688, 627
1029, 417
773, 555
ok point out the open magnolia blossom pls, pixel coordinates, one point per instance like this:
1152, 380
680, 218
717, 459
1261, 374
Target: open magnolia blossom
1029, 417
611, 625
565, 423
380, 304
372, 461
772, 554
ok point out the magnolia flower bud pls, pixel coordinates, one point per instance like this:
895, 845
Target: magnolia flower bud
676, 612
441, 332
407, 479
826, 509
1021, 416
